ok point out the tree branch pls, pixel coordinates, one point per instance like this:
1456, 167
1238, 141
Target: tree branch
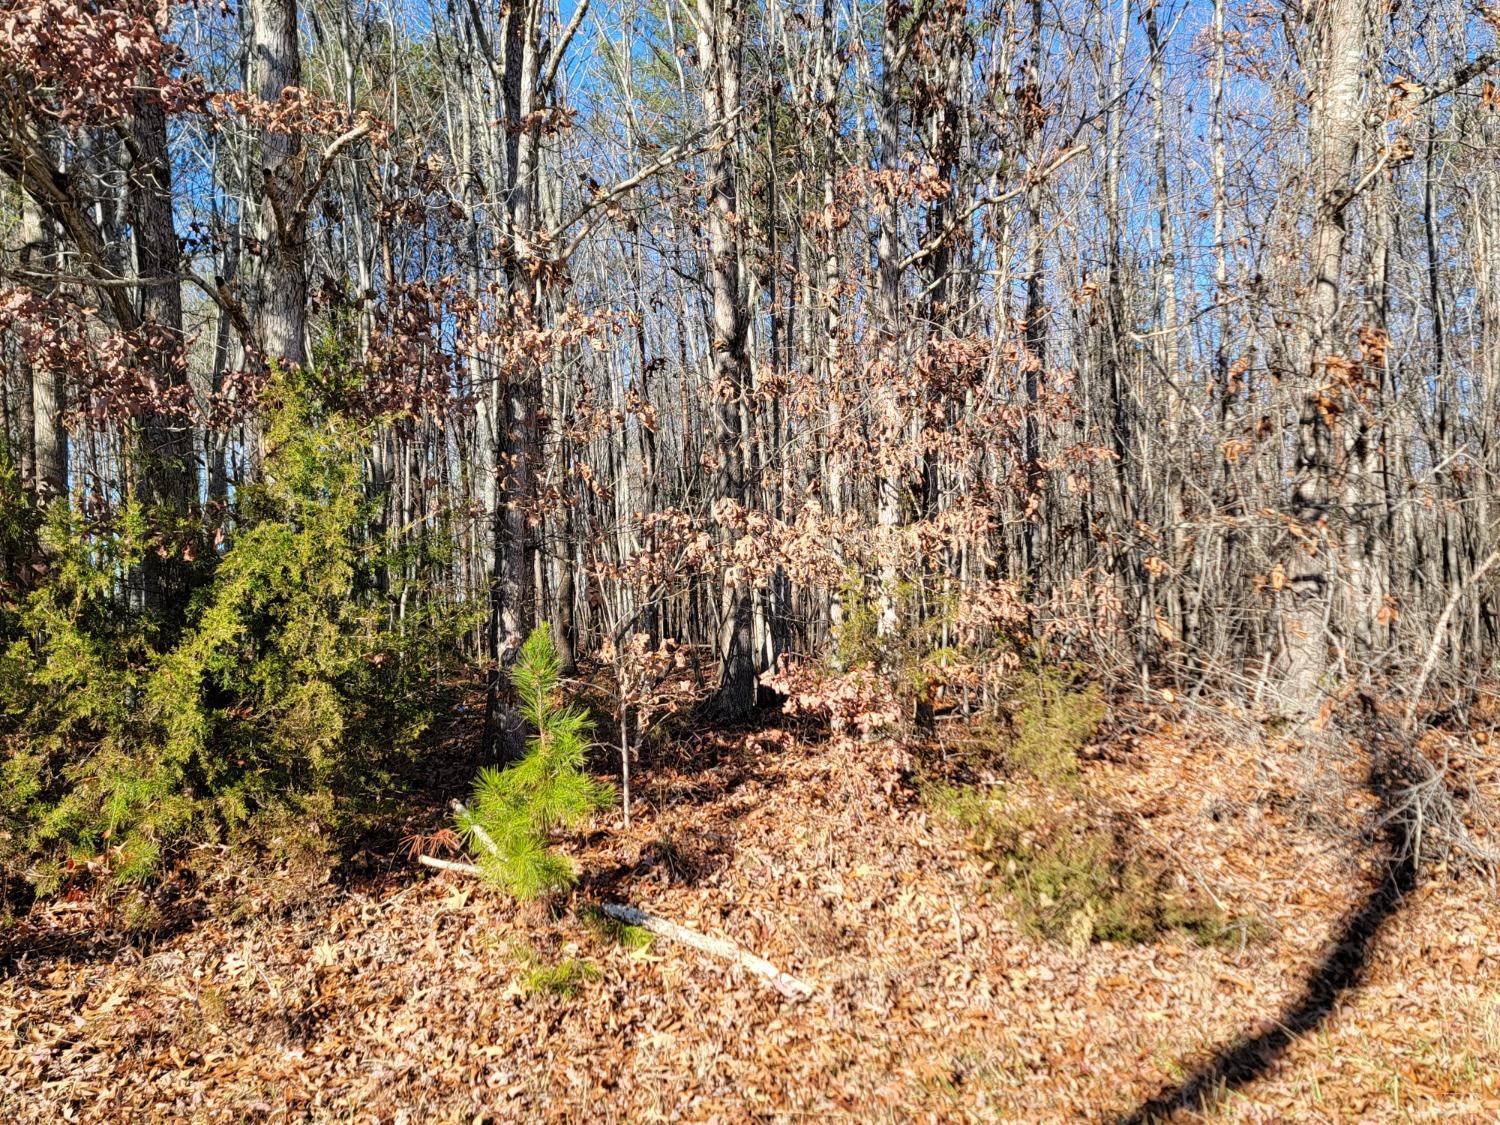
963, 216
325, 166
562, 48
784, 983
621, 187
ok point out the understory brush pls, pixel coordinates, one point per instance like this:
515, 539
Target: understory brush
562, 979
1073, 867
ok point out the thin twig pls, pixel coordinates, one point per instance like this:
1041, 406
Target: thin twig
1437, 634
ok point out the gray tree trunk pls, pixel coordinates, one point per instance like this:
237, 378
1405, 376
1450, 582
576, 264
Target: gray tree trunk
1339, 83
280, 301
718, 32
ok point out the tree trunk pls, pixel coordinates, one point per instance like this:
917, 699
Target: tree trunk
1338, 91
43, 449
168, 469
280, 301
171, 476
718, 32
1034, 362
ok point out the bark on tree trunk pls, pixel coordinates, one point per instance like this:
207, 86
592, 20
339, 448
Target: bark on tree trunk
281, 281
1034, 362
718, 32
43, 444
514, 587
889, 419
168, 469
1338, 90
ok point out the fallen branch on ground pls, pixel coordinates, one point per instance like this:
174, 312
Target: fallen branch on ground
447, 865
784, 983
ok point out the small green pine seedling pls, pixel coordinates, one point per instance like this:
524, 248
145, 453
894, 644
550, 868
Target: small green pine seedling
518, 808
564, 979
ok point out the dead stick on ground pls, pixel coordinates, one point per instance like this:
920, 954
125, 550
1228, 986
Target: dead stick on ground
447, 865
784, 983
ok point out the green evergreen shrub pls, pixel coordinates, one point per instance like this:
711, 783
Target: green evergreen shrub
1054, 717
284, 691
516, 809
19, 524
74, 676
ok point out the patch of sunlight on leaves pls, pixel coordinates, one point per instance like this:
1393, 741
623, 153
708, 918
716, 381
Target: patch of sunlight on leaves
1489, 1026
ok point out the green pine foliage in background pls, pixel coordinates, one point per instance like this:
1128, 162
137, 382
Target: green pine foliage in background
516, 809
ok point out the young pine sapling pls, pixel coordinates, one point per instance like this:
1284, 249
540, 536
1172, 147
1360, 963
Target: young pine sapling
516, 809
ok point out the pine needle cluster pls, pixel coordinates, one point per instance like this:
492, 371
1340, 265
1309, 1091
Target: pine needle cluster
516, 809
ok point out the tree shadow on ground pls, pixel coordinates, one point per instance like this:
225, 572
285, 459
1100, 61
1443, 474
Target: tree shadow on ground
700, 759
33, 944
1342, 968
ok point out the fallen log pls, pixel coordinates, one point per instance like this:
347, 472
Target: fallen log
784, 983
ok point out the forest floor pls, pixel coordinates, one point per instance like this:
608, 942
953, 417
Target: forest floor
407, 995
